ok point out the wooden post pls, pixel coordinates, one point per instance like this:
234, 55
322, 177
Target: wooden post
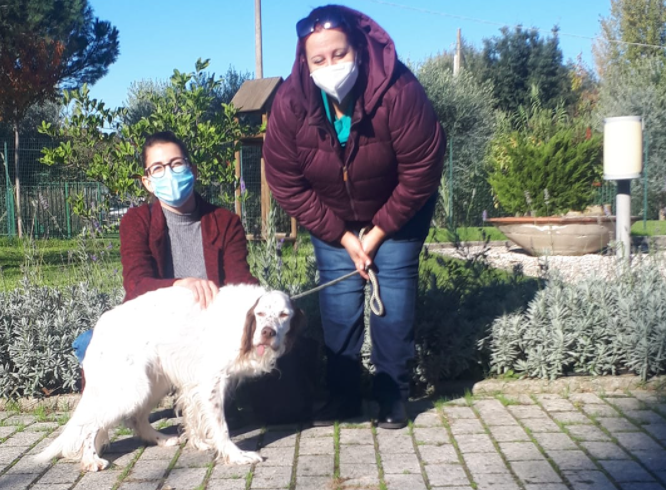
458, 56
17, 182
239, 207
265, 192
259, 62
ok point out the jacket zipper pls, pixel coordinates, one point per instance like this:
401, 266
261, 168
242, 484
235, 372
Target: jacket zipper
345, 174
345, 178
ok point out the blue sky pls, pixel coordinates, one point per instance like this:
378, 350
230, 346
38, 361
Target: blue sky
156, 37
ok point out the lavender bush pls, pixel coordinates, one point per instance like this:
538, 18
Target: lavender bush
37, 327
593, 327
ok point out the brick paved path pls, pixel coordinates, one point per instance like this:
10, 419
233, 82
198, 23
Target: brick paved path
542, 442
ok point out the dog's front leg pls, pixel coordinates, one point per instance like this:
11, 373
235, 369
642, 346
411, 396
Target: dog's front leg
226, 449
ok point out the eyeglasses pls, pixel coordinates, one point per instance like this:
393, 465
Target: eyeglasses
177, 165
327, 18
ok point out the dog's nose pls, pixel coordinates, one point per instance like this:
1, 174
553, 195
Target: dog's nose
267, 333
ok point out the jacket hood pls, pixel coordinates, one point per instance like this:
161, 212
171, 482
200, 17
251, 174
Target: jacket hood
376, 68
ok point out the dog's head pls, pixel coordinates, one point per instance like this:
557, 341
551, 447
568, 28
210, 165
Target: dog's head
271, 326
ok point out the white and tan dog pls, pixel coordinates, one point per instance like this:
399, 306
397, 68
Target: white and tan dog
162, 340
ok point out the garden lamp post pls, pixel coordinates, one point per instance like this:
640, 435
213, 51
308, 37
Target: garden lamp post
623, 151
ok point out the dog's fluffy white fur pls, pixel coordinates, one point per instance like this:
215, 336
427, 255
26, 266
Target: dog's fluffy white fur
162, 340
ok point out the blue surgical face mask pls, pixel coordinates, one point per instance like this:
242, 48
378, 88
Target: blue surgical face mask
174, 189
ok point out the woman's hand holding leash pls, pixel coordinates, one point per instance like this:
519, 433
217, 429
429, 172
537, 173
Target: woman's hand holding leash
361, 249
354, 248
372, 239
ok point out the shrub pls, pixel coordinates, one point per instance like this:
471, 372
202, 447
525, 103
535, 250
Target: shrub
541, 164
37, 327
545, 177
457, 302
100, 142
593, 327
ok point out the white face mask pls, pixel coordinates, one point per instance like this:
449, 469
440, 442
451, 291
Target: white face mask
336, 80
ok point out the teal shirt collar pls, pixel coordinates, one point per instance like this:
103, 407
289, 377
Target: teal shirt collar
343, 125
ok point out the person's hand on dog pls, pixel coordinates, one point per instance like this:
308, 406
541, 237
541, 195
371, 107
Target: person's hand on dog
203, 289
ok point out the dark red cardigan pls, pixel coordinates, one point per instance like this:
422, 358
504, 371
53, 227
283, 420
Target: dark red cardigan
144, 251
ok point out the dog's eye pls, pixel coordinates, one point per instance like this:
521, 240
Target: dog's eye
284, 314
261, 314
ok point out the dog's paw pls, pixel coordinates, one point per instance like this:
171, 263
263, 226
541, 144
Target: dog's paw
242, 457
97, 464
169, 441
198, 444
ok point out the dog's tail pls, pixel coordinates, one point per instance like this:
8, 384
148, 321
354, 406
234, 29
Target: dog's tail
68, 444
54, 450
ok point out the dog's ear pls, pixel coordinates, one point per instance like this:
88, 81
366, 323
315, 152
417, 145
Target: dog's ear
248, 331
297, 324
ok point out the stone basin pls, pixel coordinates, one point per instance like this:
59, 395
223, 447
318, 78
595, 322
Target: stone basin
558, 235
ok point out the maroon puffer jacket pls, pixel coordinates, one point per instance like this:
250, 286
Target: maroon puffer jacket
393, 158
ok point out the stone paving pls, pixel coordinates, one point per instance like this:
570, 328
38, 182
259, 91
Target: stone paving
582, 441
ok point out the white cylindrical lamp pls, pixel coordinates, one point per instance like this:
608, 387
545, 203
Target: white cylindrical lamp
623, 161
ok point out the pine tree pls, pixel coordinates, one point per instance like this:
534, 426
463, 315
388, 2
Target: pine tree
520, 59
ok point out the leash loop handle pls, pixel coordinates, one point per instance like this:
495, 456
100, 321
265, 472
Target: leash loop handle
376, 304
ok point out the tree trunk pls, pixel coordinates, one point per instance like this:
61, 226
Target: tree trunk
17, 181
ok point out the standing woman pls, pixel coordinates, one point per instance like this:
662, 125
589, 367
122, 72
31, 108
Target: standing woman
179, 239
353, 143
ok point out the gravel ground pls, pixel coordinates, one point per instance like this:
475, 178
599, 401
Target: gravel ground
569, 267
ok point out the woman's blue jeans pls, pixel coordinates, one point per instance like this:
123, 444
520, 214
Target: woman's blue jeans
396, 264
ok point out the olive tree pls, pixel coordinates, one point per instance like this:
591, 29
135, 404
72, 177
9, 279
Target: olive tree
640, 90
464, 107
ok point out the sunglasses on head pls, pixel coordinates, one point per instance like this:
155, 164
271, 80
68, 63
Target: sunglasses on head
326, 18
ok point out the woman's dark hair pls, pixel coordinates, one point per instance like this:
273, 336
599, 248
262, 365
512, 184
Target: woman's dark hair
163, 137
349, 26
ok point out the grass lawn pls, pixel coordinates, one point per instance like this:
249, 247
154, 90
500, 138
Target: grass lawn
57, 262
651, 228
472, 234
465, 234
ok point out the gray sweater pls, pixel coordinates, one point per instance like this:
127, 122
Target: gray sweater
185, 244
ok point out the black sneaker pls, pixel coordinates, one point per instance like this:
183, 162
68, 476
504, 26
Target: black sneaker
337, 409
392, 415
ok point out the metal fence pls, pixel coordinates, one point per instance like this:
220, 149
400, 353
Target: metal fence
44, 202
250, 166
46, 210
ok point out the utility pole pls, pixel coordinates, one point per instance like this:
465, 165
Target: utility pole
259, 62
458, 56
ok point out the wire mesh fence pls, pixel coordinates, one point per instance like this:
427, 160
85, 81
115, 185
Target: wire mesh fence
46, 193
250, 165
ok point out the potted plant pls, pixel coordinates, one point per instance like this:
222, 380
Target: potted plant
542, 169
